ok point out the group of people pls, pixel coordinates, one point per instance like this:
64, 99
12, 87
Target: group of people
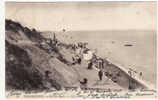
76, 60
134, 73
48, 43
84, 82
100, 74
79, 50
79, 45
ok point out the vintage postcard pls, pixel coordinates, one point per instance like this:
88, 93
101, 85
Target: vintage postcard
80, 50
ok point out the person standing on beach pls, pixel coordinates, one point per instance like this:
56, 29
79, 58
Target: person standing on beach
140, 75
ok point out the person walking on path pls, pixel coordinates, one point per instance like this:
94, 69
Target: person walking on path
100, 74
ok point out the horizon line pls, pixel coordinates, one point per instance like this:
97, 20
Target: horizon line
98, 30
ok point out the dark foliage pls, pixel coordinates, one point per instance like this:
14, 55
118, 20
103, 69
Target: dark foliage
20, 74
33, 35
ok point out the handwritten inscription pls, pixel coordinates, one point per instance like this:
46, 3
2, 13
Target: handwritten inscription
73, 92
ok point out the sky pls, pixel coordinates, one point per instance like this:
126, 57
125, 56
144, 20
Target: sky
78, 16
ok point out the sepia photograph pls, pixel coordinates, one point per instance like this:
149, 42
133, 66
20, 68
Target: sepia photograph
80, 49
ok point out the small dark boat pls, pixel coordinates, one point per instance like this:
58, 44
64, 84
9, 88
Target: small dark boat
128, 45
113, 42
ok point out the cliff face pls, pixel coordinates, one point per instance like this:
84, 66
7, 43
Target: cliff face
27, 63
